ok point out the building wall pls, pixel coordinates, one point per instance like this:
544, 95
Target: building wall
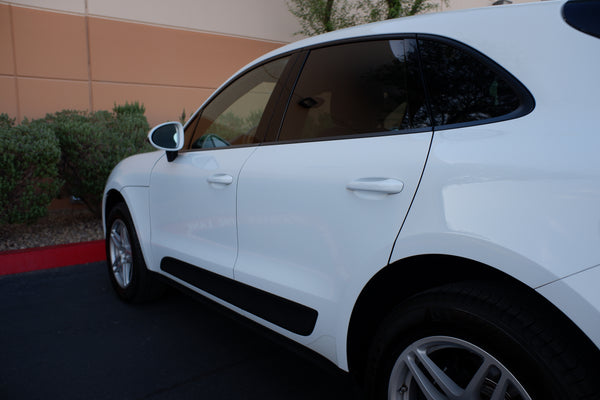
168, 55
89, 55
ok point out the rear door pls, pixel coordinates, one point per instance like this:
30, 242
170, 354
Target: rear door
323, 204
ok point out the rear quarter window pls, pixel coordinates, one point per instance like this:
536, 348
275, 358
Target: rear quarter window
583, 16
466, 88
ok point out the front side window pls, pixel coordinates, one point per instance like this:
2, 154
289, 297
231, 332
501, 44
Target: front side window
235, 115
355, 89
464, 88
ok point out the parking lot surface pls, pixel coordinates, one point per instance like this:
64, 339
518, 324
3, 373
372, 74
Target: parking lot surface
65, 335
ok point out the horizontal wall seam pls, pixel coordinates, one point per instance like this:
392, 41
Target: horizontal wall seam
46, 78
187, 29
31, 7
158, 85
144, 84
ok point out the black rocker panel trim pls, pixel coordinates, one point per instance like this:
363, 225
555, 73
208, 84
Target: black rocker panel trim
285, 313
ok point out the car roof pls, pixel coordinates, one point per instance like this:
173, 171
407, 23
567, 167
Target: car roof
462, 25
531, 41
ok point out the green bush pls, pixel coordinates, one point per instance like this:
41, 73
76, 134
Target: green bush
6, 122
29, 178
129, 108
93, 143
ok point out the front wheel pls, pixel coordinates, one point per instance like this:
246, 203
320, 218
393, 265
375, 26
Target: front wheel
471, 342
126, 267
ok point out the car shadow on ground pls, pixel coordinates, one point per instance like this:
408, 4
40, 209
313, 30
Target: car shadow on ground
65, 335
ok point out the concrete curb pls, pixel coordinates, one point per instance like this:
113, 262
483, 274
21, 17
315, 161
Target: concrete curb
17, 261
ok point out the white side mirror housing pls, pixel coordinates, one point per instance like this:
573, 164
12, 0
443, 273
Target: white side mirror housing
168, 137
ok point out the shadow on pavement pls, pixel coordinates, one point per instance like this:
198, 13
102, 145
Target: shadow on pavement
65, 335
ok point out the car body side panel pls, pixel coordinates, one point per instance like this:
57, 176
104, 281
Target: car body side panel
131, 178
193, 217
133, 171
579, 298
528, 186
305, 236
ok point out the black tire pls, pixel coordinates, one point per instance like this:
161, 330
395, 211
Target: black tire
460, 326
127, 271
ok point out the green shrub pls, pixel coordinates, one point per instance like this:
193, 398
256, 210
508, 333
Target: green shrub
92, 144
29, 178
6, 122
129, 108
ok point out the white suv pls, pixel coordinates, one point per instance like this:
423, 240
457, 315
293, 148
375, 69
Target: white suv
417, 200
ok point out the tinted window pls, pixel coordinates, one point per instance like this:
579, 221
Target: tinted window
583, 15
357, 88
462, 87
234, 116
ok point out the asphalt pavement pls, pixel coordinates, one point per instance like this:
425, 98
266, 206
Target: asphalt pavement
65, 335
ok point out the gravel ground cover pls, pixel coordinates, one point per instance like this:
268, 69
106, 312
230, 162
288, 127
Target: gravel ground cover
58, 227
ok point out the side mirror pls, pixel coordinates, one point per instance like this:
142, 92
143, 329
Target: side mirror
168, 137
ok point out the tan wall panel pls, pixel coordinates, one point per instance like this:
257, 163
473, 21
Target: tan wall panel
7, 61
136, 53
50, 45
264, 19
8, 96
76, 6
162, 103
37, 97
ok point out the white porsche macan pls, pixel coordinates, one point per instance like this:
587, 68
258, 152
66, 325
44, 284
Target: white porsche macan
416, 200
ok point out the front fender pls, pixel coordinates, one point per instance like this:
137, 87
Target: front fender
131, 180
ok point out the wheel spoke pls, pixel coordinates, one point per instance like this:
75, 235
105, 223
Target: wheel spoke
116, 265
124, 237
428, 388
500, 389
115, 239
126, 273
474, 387
448, 386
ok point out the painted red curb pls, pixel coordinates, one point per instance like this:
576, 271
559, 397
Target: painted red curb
16, 261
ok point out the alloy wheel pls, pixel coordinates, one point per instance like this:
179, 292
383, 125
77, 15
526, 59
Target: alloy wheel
447, 368
121, 258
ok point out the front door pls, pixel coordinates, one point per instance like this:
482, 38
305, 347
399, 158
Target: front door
193, 198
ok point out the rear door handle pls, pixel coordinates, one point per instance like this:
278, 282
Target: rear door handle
378, 185
221, 179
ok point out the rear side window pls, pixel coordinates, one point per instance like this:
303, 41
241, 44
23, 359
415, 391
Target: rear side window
583, 16
465, 88
370, 87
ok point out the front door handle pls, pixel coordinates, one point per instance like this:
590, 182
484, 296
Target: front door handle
378, 185
220, 179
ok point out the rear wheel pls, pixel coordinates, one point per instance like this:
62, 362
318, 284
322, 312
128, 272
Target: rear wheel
130, 278
472, 342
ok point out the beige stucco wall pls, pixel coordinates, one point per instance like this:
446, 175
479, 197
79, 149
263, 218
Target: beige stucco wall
68, 54
259, 19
